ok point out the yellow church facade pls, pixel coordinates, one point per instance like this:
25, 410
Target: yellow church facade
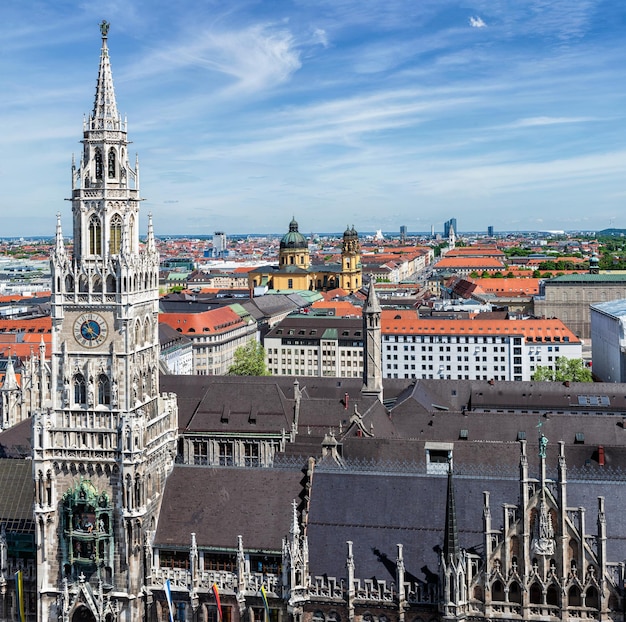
295, 270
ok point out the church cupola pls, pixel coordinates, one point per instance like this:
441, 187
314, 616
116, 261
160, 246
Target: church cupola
294, 249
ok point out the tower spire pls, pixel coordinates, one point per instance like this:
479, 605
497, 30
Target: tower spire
372, 364
104, 114
59, 247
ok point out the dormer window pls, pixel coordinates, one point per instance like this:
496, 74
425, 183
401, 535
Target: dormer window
438, 457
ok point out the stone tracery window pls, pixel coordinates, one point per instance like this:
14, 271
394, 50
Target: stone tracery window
80, 389
95, 236
115, 236
104, 389
98, 163
111, 163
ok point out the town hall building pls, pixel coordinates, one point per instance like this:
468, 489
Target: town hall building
129, 496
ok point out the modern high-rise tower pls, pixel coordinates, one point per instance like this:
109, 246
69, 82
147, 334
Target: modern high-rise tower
103, 437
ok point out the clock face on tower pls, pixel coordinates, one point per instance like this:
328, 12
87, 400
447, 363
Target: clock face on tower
90, 330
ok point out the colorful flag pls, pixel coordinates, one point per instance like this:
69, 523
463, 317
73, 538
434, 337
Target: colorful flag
168, 596
217, 602
265, 603
19, 592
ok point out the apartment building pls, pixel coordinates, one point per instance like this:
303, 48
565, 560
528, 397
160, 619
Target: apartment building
310, 345
215, 336
472, 349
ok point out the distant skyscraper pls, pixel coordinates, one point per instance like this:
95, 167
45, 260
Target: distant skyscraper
490, 231
219, 243
447, 225
403, 233
432, 231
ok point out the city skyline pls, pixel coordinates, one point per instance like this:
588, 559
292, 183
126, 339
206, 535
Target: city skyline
246, 114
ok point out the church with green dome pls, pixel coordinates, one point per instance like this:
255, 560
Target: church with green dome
296, 272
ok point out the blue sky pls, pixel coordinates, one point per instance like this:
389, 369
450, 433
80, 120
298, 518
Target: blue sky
377, 113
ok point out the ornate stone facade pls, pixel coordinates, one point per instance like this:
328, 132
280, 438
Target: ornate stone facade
103, 436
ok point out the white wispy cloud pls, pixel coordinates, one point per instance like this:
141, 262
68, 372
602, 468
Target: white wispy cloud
477, 22
257, 57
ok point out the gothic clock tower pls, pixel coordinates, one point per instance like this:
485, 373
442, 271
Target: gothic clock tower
103, 443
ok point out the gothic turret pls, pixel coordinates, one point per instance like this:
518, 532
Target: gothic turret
372, 364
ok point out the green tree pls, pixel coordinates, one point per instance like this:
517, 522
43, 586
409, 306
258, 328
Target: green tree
564, 369
249, 360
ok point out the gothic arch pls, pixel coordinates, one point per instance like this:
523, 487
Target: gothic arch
111, 163
96, 285
536, 594
95, 235
115, 234
591, 598
111, 284
83, 614
552, 595
147, 330
574, 596
104, 390
83, 283
515, 593
497, 591
98, 163
80, 389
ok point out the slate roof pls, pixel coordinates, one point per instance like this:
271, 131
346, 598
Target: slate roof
15, 442
377, 511
17, 495
218, 504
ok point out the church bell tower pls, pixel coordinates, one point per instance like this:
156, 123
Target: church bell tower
104, 441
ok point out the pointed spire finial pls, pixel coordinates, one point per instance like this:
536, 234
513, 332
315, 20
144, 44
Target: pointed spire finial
105, 115
150, 245
372, 304
10, 380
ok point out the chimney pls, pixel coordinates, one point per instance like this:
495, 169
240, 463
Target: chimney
346, 401
601, 455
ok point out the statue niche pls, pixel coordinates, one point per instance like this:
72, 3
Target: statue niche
87, 532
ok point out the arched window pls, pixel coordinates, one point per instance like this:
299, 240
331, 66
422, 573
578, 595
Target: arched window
591, 599
497, 591
536, 595
80, 389
515, 594
111, 284
111, 163
552, 595
573, 596
95, 236
104, 389
115, 238
98, 162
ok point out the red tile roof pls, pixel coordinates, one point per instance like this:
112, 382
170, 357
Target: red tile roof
214, 321
407, 322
